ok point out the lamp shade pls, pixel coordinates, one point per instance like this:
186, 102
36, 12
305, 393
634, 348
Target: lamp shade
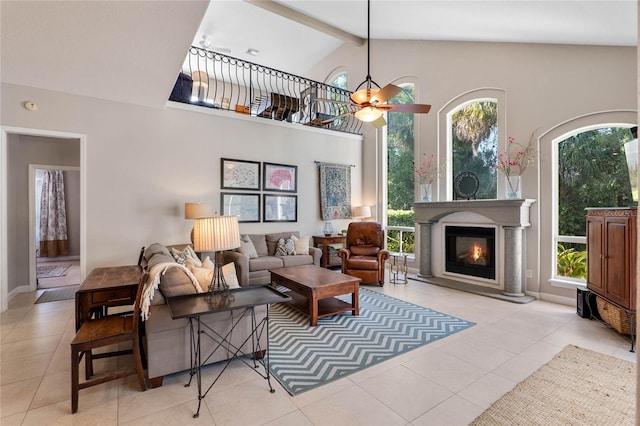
216, 233
200, 78
196, 210
362, 211
364, 95
368, 114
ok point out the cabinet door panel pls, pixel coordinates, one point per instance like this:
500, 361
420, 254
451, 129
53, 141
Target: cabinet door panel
617, 258
595, 250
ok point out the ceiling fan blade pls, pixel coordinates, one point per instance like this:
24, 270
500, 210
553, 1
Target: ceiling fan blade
329, 120
379, 122
386, 93
415, 108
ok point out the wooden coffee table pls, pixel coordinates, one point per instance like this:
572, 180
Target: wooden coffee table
314, 290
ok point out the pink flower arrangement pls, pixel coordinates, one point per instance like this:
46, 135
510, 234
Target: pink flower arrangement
428, 169
516, 158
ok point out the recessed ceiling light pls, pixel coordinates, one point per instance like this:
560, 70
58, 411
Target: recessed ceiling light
253, 52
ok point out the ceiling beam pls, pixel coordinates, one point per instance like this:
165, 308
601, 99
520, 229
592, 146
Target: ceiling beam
301, 18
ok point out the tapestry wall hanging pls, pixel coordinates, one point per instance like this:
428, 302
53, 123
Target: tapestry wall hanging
335, 191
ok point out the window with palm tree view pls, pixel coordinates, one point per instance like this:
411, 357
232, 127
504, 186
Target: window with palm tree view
474, 134
591, 172
400, 175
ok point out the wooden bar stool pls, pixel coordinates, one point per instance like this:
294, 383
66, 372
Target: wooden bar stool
103, 332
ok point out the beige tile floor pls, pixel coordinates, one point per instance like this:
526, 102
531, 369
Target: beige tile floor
448, 382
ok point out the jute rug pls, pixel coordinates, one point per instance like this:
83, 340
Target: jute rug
302, 357
52, 271
56, 295
577, 387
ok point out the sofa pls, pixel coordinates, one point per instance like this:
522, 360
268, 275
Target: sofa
260, 252
165, 340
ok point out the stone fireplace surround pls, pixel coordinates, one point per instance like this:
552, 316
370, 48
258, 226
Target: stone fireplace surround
511, 218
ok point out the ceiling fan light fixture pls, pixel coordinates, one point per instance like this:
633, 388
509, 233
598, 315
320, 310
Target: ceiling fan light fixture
368, 114
364, 95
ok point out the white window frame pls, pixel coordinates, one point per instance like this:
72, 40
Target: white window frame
556, 280
445, 137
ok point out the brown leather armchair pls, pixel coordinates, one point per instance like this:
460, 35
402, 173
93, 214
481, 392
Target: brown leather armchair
364, 255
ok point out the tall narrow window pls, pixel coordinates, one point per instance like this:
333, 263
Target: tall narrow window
591, 172
474, 136
400, 174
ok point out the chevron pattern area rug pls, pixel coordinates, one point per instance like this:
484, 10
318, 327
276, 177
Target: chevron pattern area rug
303, 357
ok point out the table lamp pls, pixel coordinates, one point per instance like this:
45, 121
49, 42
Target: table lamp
362, 212
196, 210
216, 234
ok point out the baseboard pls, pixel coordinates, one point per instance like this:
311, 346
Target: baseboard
561, 300
20, 289
56, 259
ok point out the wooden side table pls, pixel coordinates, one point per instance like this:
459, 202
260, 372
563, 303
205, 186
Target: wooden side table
105, 287
323, 242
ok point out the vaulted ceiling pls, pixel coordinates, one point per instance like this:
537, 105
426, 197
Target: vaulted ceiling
131, 51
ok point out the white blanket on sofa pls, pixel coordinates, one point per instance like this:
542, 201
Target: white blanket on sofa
153, 281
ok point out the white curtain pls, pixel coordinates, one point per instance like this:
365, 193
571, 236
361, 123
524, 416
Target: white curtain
53, 216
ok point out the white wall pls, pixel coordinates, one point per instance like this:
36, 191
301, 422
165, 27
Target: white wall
143, 164
543, 86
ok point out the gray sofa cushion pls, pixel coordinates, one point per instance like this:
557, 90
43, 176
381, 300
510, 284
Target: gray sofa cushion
265, 263
153, 249
300, 259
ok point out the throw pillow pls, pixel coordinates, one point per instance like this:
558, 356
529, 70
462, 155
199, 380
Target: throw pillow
285, 247
229, 272
203, 276
192, 263
207, 263
181, 256
301, 244
280, 250
247, 248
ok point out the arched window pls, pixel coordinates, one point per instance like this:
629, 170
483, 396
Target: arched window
339, 80
556, 147
591, 171
471, 129
474, 140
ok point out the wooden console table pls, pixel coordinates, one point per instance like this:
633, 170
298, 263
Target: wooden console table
323, 242
105, 287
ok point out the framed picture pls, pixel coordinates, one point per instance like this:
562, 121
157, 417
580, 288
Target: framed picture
239, 174
279, 177
280, 208
245, 206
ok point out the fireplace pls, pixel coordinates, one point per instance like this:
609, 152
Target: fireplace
470, 250
507, 220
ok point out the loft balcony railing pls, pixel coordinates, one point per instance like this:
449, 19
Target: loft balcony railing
214, 80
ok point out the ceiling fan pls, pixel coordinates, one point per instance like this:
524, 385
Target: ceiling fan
369, 102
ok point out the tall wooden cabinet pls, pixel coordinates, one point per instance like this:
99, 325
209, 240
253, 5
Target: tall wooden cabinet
611, 250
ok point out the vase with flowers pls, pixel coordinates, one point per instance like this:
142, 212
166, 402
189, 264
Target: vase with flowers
426, 172
513, 162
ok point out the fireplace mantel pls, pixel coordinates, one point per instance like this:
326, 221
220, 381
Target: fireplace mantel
512, 212
511, 216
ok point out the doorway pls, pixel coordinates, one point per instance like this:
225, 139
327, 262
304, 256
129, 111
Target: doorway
54, 267
18, 149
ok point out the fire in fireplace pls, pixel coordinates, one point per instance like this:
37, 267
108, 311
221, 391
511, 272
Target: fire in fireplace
470, 251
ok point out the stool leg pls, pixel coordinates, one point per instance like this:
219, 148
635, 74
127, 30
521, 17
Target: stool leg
75, 377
